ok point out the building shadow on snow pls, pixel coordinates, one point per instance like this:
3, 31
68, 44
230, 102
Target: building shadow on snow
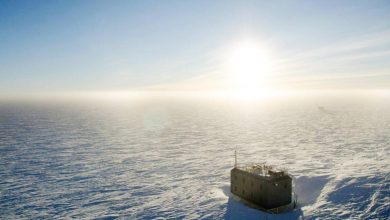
239, 210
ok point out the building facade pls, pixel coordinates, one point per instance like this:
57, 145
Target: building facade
262, 186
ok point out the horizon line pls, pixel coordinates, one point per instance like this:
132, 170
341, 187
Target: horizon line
225, 94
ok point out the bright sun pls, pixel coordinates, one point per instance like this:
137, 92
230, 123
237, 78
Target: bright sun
250, 68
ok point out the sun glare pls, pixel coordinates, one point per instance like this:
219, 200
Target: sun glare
250, 69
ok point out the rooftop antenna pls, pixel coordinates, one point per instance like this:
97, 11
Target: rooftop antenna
235, 158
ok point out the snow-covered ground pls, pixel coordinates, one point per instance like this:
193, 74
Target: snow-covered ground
165, 159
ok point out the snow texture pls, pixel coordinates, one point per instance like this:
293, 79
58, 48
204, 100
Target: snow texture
171, 159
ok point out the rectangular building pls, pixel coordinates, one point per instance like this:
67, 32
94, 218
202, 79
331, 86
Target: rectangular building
262, 186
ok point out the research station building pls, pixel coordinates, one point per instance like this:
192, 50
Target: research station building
262, 186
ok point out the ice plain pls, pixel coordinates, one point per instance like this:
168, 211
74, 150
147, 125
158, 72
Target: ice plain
170, 159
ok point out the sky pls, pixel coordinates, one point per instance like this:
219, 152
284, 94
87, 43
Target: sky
70, 46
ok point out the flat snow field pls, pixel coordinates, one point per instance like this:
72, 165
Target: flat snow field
171, 159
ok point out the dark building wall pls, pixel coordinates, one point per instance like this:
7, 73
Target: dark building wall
261, 191
279, 192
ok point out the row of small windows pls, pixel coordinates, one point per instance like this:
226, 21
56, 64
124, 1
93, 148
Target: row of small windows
235, 190
243, 193
243, 181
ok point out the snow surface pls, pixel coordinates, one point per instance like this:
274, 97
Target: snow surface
171, 159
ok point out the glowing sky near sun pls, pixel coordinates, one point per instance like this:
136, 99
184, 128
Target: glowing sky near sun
242, 46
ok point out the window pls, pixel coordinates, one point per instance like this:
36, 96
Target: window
260, 186
235, 176
235, 189
251, 183
243, 191
243, 180
285, 185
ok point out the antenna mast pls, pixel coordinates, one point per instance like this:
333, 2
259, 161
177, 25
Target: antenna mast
235, 159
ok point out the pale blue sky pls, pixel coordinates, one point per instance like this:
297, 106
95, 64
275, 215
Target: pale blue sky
124, 45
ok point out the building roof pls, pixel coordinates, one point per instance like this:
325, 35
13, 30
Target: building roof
265, 171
